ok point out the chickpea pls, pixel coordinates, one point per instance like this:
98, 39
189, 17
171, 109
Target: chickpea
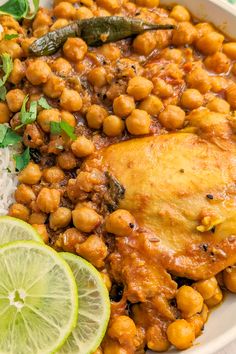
48, 200
32, 136
218, 83
123, 105
148, 3
82, 147
53, 174
122, 329
95, 116
218, 105
181, 334
110, 51
82, 13
97, 77
37, 218
230, 50
204, 28
42, 18
64, 10
12, 48
106, 279
86, 219
24, 194
231, 95
109, 5
156, 340
145, 43
120, 223
46, 116
61, 22
93, 249
180, 14
138, 122
19, 211
229, 278
215, 299
113, 347
162, 88
70, 100
98, 351
4, 113
87, 180
152, 105
184, 34
38, 72
40, 31
31, 174
25, 44
61, 67
173, 117
54, 87
15, 99
206, 288
210, 43
42, 231
139, 87
172, 54
75, 49
192, 99
189, 301
72, 237
60, 218
18, 72
68, 118
218, 63
197, 323
66, 160
113, 126
199, 79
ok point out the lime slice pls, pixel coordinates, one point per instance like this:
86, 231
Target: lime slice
94, 308
12, 229
38, 299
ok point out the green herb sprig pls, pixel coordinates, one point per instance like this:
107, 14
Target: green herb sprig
22, 160
19, 9
57, 128
8, 136
6, 66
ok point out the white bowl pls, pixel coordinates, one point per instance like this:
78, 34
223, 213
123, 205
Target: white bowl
220, 329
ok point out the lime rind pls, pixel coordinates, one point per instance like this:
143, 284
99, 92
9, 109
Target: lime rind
12, 229
94, 308
50, 307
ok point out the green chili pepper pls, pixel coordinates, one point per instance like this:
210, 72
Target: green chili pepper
94, 31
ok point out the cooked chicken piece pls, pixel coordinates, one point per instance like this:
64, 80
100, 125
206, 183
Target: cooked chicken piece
182, 189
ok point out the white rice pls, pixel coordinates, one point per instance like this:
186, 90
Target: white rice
8, 178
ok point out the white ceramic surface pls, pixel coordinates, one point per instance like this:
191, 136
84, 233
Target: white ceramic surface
220, 329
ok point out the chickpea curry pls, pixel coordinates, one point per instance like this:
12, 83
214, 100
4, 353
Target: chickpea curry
129, 160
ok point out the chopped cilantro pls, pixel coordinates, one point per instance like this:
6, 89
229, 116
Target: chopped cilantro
8, 37
22, 160
44, 103
8, 137
58, 127
7, 66
3, 131
30, 116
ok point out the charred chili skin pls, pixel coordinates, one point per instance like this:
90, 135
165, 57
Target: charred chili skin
95, 32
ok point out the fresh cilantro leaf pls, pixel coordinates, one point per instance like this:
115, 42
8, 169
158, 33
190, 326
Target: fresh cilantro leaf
22, 160
8, 37
30, 116
18, 8
68, 129
3, 131
10, 138
31, 14
7, 66
3, 92
55, 128
44, 103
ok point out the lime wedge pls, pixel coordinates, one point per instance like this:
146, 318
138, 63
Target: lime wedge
94, 308
38, 299
12, 229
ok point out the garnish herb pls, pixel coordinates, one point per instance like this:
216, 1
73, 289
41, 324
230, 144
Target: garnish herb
8, 136
30, 116
94, 31
8, 37
7, 66
22, 160
44, 103
58, 127
19, 9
